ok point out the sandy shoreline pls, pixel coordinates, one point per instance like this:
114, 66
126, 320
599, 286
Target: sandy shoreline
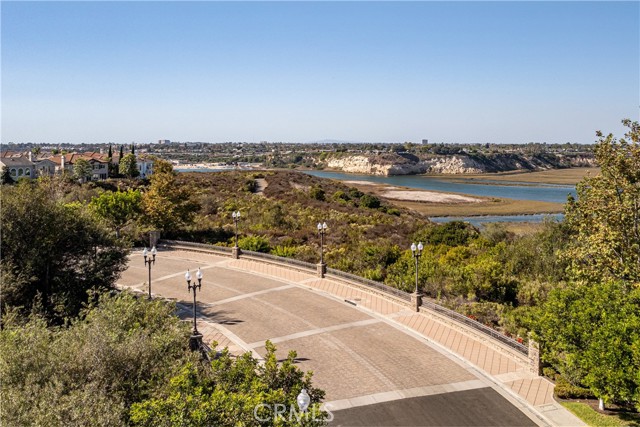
403, 193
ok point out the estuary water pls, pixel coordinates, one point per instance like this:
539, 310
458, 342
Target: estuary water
484, 188
477, 187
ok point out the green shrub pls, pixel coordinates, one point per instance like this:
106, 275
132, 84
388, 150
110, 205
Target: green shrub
284, 251
254, 243
341, 195
368, 201
354, 193
566, 390
317, 193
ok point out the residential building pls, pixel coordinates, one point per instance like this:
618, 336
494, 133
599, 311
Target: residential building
19, 167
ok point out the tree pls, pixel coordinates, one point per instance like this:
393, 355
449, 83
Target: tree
125, 361
167, 205
118, 208
121, 152
5, 176
129, 166
590, 329
591, 335
605, 218
52, 253
133, 149
121, 350
234, 392
82, 170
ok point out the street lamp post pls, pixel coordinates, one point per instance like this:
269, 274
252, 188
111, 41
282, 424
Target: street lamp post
148, 261
236, 218
195, 341
322, 267
416, 297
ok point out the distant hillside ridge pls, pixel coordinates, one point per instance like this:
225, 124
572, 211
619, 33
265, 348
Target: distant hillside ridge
411, 164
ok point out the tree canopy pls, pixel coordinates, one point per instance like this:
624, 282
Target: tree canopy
118, 208
605, 218
82, 170
590, 327
125, 361
128, 166
166, 204
52, 253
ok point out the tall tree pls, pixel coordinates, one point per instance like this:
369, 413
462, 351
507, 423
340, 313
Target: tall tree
121, 152
5, 176
590, 329
52, 253
109, 153
129, 166
167, 205
82, 170
605, 218
119, 208
133, 149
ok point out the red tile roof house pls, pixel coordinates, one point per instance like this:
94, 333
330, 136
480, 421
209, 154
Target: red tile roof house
98, 164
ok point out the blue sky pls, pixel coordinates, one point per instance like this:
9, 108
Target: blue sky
503, 72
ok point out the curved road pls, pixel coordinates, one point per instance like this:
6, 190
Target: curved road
374, 358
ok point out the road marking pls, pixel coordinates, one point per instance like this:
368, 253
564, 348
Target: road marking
316, 331
389, 396
249, 295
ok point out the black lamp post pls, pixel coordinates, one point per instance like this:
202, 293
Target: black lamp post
417, 253
148, 261
194, 287
195, 342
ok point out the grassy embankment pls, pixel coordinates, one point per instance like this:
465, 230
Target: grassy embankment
596, 419
486, 205
554, 176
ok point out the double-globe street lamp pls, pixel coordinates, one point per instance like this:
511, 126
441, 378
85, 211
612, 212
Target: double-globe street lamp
195, 341
322, 267
416, 297
148, 261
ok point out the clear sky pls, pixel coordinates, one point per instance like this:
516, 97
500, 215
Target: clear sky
503, 72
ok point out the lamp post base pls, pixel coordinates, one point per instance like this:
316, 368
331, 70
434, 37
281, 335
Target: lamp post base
321, 268
416, 301
195, 341
235, 252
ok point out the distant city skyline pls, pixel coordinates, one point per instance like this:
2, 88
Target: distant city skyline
456, 72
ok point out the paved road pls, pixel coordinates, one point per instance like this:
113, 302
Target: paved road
479, 407
362, 353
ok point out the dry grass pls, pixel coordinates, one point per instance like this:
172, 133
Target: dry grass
479, 205
554, 176
486, 207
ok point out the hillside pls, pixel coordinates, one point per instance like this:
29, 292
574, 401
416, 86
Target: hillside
412, 164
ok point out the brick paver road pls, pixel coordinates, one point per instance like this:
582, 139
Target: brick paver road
363, 349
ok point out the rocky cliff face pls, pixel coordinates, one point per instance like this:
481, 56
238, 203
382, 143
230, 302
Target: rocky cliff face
408, 164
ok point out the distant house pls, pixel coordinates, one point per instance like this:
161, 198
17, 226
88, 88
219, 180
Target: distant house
145, 165
19, 167
45, 167
27, 165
